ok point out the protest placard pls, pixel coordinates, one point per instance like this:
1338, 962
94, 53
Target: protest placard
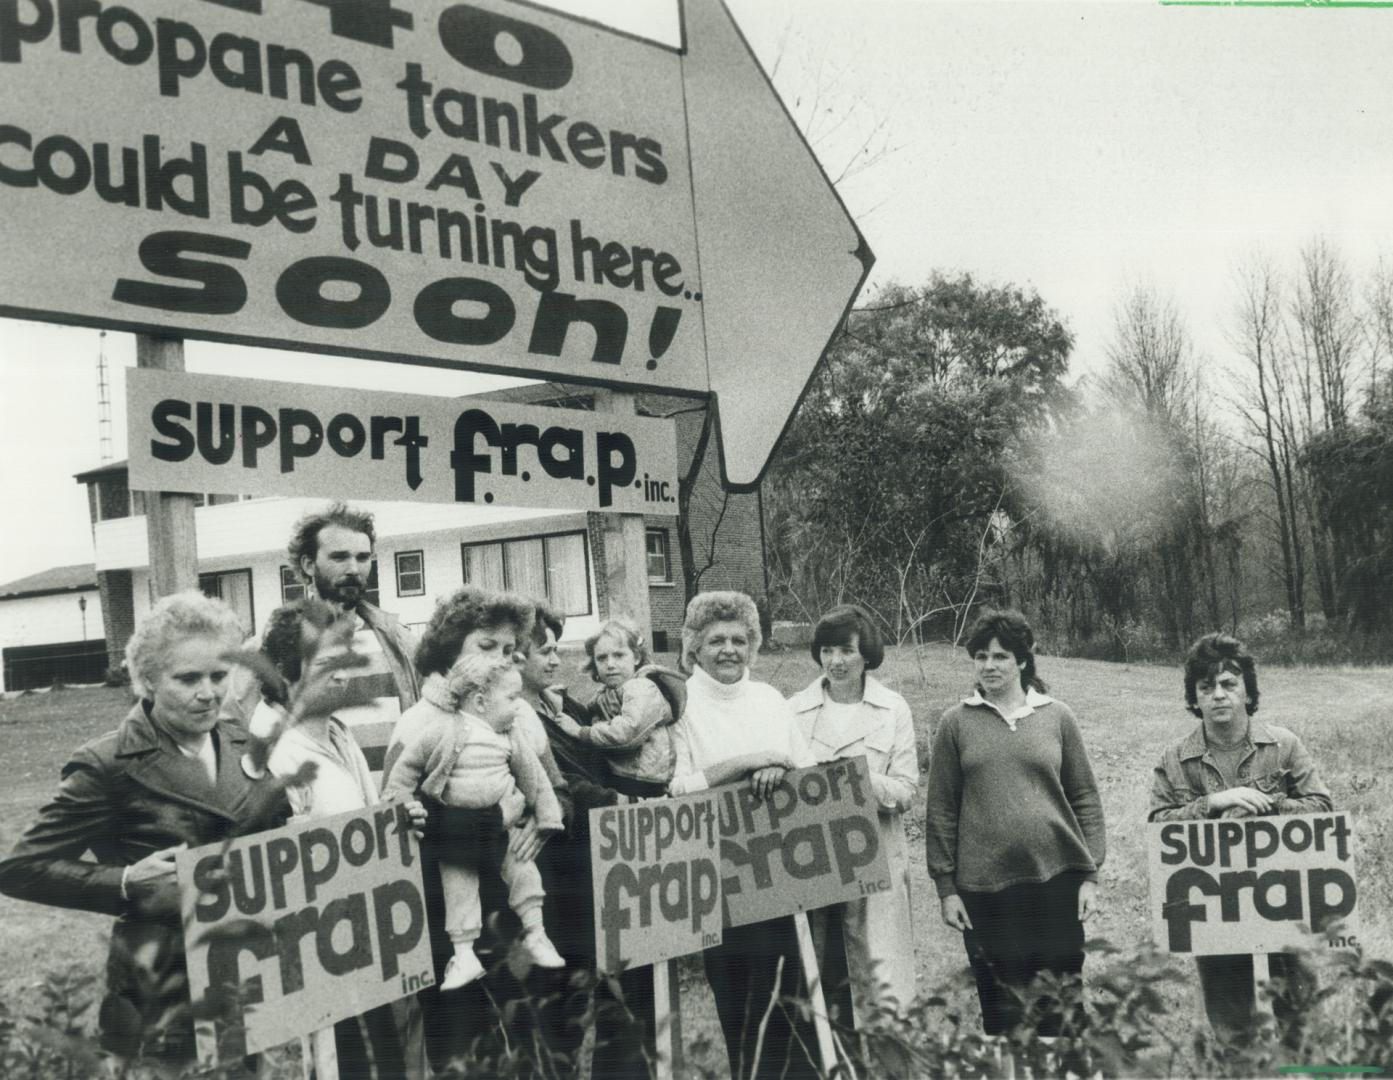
814, 842
1252, 885
657, 880
254, 437
290, 930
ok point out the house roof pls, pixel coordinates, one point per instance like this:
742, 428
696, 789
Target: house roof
101, 470
57, 579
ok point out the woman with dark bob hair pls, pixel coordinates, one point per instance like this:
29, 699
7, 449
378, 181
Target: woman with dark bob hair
468, 622
736, 729
1014, 825
172, 774
1233, 765
847, 712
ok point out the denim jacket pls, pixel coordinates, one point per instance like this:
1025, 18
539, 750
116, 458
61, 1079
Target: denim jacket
1275, 763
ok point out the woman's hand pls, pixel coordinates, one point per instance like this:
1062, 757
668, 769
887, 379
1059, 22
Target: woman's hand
955, 914
746, 765
151, 884
765, 780
1246, 798
416, 811
1088, 900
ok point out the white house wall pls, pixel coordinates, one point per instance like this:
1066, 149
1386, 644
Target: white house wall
41, 620
264, 525
446, 529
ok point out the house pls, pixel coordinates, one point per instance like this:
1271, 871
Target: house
423, 551
51, 629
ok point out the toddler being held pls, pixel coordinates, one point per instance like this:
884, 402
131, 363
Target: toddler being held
474, 758
634, 711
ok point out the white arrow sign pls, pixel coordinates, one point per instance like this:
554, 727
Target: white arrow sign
781, 258
482, 185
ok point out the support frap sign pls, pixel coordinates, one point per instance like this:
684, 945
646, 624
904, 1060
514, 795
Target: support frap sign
815, 841
669, 873
657, 886
290, 930
487, 185
253, 437
1258, 884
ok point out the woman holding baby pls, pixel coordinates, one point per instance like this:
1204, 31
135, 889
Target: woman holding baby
468, 623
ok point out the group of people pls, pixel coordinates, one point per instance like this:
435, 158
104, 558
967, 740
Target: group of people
500, 768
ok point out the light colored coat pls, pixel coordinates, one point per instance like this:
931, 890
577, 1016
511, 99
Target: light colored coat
429, 740
878, 930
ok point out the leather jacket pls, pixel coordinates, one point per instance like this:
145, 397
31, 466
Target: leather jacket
123, 796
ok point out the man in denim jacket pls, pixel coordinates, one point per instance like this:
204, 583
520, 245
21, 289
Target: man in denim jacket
1232, 765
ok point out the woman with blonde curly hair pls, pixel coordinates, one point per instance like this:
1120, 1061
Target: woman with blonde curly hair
736, 729
172, 775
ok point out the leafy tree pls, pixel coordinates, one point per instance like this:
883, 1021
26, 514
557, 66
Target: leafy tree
1351, 469
898, 472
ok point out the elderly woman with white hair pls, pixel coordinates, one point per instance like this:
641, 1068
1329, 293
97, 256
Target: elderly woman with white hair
736, 729
171, 775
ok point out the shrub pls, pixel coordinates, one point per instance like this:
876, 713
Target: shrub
116, 676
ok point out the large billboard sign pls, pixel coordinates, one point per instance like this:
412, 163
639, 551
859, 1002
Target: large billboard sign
484, 185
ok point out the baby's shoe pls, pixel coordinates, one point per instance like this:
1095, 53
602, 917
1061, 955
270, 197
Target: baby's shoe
540, 950
463, 969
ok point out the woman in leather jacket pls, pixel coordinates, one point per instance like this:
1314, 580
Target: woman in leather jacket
172, 775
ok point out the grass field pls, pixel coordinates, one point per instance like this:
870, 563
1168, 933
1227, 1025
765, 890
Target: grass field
1128, 713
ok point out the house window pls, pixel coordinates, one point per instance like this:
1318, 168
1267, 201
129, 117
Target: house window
292, 588
552, 568
233, 587
372, 592
411, 573
659, 562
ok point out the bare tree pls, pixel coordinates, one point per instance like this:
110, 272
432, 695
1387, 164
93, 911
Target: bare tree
1257, 333
1150, 358
1151, 374
1378, 327
1327, 362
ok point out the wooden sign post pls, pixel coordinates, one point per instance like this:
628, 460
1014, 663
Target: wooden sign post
169, 519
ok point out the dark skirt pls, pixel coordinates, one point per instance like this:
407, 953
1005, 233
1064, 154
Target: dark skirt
369, 1046
1016, 934
743, 972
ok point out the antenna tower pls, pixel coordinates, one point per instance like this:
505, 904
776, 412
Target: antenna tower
103, 402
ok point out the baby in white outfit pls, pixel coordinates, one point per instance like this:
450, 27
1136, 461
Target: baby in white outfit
473, 758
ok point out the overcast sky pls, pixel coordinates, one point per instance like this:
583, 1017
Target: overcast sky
1073, 147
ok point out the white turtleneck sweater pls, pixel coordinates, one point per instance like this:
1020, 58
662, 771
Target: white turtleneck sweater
723, 721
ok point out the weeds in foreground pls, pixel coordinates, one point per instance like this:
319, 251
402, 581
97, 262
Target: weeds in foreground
1112, 1025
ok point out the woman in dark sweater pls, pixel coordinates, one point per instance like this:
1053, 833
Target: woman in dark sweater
624, 1030
1014, 825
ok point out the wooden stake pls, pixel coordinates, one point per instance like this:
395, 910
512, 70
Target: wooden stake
1262, 972
825, 1048
626, 548
675, 1013
169, 520
320, 1055
663, 1014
